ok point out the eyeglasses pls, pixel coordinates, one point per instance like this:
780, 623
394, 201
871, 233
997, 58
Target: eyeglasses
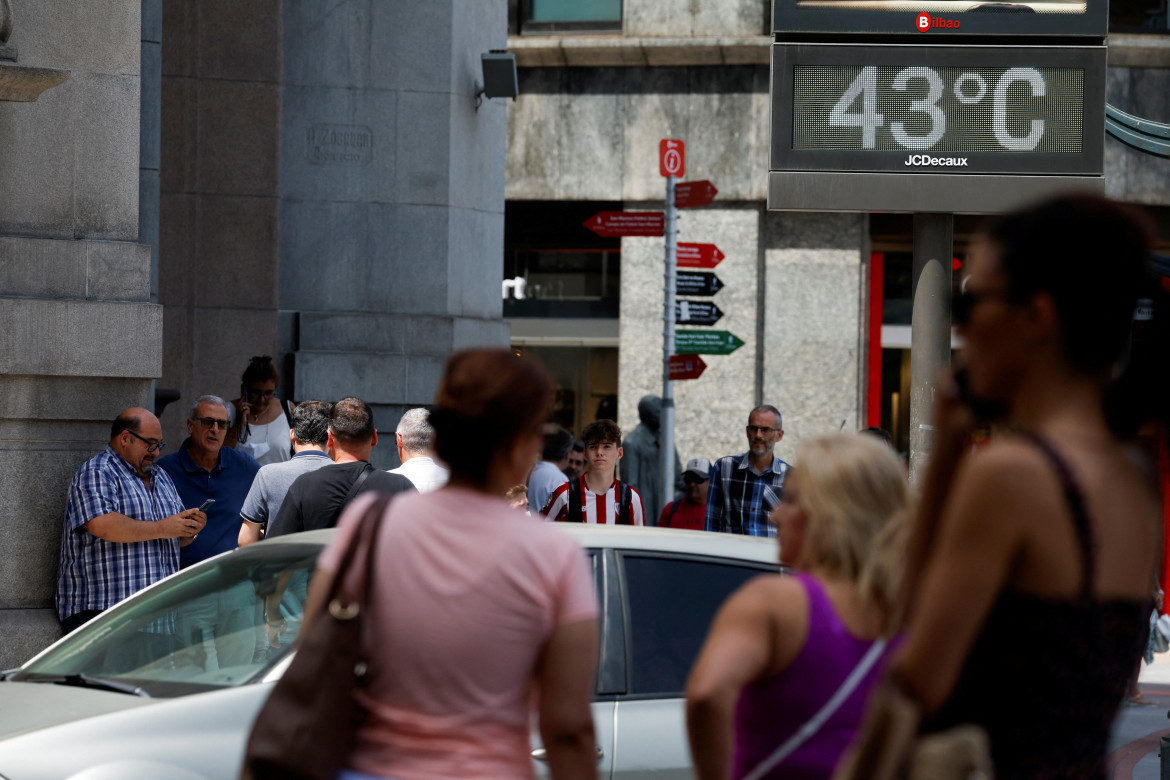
261, 393
964, 301
753, 429
151, 446
211, 422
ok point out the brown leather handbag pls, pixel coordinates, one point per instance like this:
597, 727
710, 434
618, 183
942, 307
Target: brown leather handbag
306, 729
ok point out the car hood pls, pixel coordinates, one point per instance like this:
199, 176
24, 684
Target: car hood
26, 706
126, 737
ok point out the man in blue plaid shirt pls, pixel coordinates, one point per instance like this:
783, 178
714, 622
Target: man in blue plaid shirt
746, 488
124, 523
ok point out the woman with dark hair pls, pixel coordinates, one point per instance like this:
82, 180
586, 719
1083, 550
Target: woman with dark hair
475, 607
261, 426
1031, 561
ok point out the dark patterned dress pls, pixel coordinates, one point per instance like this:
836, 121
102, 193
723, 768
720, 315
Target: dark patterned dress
1046, 676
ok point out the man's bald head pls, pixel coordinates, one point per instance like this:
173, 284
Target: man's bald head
136, 435
131, 420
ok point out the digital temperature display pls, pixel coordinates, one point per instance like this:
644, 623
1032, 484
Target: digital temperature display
942, 109
938, 109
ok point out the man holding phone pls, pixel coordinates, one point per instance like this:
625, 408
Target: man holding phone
204, 469
124, 523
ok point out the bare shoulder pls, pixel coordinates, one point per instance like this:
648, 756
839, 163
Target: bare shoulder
777, 597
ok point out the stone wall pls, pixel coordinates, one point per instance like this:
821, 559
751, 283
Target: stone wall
79, 338
220, 186
392, 208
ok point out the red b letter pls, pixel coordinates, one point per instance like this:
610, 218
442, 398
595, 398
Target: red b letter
923, 22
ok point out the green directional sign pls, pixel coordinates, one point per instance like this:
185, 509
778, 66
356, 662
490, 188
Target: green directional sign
706, 342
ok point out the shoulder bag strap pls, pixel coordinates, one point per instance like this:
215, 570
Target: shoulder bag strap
574, 507
353, 491
813, 724
364, 540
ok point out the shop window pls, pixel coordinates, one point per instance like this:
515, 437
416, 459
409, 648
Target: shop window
548, 16
1138, 16
554, 267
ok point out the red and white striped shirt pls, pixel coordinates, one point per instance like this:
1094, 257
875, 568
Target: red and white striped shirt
595, 507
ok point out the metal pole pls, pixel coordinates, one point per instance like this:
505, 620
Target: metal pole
666, 440
930, 330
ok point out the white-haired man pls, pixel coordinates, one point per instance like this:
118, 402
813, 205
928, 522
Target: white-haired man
416, 449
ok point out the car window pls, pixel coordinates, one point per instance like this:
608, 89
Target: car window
205, 628
672, 601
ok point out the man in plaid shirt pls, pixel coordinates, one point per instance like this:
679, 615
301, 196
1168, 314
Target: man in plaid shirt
124, 523
746, 488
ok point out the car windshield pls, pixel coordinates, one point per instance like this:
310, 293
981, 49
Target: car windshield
203, 629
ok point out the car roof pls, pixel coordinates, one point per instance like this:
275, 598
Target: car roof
718, 545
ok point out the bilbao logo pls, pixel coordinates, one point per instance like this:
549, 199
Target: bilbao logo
926, 22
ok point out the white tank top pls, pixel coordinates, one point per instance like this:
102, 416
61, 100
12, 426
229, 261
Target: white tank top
268, 443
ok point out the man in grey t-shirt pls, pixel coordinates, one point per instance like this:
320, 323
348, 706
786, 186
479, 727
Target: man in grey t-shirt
309, 434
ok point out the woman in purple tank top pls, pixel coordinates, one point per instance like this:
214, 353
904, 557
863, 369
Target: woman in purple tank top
781, 647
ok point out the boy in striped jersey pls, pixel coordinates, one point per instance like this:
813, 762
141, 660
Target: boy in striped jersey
597, 496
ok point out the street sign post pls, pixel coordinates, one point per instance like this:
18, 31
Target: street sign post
692, 194
616, 224
706, 342
697, 284
686, 367
696, 313
698, 255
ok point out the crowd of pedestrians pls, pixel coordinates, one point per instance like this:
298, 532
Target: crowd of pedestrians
906, 620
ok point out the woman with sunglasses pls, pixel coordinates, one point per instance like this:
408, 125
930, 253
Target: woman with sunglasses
1031, 560
261, 426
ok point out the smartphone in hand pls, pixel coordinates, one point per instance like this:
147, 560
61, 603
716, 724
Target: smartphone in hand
203, 507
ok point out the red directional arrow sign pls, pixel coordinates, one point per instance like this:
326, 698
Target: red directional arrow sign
698, 255
689, 194
615, 224
686, 367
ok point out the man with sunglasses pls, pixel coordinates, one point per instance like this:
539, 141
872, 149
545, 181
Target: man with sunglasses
204, 469
124, 523
746, 488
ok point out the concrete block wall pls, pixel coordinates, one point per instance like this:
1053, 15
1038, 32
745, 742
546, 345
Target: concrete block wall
219, 203
392, 197
79, 339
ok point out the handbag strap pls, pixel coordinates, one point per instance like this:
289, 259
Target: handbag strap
366, 534
360, 480
813, 724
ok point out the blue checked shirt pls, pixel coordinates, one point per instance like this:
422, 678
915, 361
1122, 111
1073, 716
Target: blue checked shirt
739, 500
94, 573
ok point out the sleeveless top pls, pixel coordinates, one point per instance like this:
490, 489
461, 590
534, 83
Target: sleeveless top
771, 710
269, 443
1046, 676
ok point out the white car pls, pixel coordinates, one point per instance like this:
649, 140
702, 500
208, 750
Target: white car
167, 683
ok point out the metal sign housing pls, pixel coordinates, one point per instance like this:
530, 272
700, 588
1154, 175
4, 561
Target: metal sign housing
938, 109
950, 19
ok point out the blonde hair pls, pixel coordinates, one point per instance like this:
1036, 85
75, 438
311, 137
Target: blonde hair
854, 492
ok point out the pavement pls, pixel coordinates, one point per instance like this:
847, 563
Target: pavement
1136, 739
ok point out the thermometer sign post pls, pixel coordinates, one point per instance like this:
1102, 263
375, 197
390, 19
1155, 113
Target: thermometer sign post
902, 106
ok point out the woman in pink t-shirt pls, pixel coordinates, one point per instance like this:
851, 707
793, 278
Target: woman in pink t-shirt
479, 613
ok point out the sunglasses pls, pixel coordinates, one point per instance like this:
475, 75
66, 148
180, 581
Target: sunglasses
261, 393
964, 301
211, 422
151, 446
